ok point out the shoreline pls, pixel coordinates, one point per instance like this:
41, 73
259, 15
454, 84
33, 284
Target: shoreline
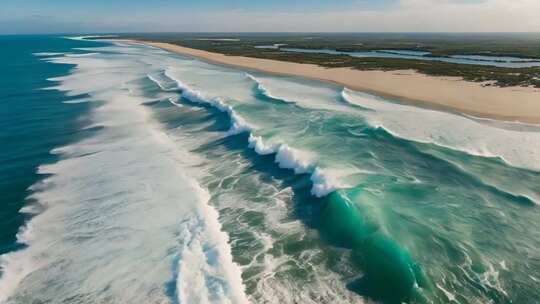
451, 94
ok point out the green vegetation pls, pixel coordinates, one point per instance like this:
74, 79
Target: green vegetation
515, 45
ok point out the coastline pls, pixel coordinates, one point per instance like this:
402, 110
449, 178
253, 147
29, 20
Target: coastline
453, 94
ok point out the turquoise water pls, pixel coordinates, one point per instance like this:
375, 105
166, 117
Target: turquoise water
499, 61
178, 181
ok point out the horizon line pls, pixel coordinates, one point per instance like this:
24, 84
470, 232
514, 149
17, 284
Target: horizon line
259, 32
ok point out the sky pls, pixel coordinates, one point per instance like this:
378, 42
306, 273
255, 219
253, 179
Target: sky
103, 16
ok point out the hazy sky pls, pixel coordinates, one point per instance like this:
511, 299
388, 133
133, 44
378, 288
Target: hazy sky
54, 16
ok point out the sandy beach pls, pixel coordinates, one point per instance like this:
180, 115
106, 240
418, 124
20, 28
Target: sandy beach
446, 93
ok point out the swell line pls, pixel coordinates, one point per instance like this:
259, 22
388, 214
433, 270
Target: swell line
342, 218
265, 92
285, 156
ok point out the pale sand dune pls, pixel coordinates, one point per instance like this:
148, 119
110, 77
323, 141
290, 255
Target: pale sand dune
447, 93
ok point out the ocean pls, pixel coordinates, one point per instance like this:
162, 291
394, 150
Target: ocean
134, 175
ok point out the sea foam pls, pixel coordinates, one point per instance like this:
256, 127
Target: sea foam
123, 197
285, 156
265, 91
519, 147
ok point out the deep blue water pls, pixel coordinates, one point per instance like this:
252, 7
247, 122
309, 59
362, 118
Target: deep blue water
33, 122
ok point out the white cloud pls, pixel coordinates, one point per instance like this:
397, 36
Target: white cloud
409, 16
488, 15
404, 16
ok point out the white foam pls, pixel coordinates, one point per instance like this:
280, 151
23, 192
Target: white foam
449, 296
263, 90
302, 93
77, 37
324, 183
114, 208
47, 54
238, 125
289, 158
196, 257
285, 156
86, 37
519, 147
81, 55
256, 143
160, 83
174, 102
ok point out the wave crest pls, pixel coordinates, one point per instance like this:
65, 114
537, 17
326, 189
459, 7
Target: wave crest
262, 90
285, 156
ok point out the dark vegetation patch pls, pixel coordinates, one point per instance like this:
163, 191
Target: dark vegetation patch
440, 44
